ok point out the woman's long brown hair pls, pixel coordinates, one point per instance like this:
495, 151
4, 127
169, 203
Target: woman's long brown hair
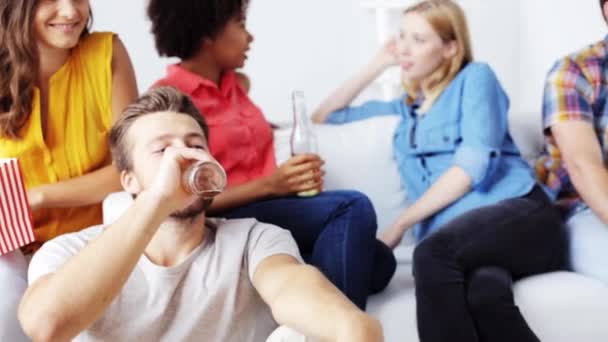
18, 64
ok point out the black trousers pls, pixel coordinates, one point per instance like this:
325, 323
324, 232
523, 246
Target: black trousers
465, 271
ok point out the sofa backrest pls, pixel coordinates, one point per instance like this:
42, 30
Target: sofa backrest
527, 132
359, 156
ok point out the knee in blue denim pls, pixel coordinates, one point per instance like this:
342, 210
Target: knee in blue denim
363, 208
489, 287
359, 201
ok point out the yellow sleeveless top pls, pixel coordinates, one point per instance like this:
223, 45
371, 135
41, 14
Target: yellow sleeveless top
75, 140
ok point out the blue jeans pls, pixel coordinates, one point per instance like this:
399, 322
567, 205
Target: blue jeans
336, 232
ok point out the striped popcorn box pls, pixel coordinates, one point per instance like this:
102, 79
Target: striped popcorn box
15, 216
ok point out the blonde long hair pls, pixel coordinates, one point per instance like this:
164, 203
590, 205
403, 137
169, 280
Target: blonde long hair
449, 22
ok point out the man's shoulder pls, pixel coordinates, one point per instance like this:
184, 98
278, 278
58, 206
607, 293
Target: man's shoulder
241, 226
86, 234
248, 231
583, 60
57, 251
591, 52
73, 242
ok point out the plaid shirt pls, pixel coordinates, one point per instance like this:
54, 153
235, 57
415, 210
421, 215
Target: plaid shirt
575, 90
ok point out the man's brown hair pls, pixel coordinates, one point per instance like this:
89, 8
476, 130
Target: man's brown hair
602, 3
161, 99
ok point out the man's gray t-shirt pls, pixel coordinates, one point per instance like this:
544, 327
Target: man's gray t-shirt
208, 297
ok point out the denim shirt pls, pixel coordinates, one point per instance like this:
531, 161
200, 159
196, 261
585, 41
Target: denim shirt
466, 127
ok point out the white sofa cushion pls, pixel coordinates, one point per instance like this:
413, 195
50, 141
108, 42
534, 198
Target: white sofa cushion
564, 307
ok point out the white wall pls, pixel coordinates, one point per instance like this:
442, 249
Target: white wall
551, 29
315, 50
128, 19
313, 45
495, 33
309, 45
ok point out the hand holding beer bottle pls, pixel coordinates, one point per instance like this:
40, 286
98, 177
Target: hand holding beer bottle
303, 139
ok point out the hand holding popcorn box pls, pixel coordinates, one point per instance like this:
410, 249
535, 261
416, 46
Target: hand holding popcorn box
15, 216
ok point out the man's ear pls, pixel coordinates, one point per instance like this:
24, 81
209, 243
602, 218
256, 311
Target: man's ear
605, 11
130, 183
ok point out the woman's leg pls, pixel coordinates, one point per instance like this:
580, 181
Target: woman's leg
491, 303
588, 245
462, 267
384, 267
13, 283
335, 231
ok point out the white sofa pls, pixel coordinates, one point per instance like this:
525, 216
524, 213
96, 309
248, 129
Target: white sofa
560, 306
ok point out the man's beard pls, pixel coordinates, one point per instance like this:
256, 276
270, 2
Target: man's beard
193, 210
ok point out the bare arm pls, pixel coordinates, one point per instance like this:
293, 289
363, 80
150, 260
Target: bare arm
124, 85
299, 173
582, 154
93, 187
302, 298
58, 306
450, 187
348, 91
88, 189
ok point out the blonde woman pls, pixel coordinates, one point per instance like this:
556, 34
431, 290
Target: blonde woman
479, 216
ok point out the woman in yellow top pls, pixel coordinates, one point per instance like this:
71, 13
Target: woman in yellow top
60, 89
